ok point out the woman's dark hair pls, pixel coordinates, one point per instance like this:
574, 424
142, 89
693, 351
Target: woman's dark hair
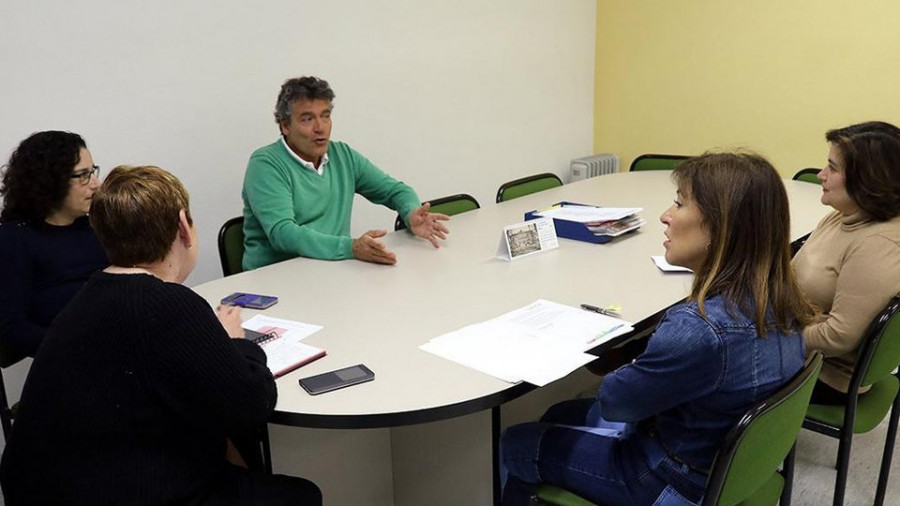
36, 179
744, 207
870, 156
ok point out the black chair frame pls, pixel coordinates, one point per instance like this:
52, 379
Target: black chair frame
7, 358
223, 256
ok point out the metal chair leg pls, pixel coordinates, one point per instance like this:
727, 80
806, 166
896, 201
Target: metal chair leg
495, 456
788, 470
5, 412
843, 465
266, 449
886, 458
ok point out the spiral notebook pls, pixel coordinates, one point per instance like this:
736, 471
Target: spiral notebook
283, 354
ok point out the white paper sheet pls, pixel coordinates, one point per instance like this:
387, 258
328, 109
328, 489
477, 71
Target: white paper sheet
538, 343
587, 214
567, 326
664, 266
288, 329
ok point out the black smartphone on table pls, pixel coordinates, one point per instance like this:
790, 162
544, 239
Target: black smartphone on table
340, 378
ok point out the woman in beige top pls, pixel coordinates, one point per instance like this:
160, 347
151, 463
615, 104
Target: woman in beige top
850, 265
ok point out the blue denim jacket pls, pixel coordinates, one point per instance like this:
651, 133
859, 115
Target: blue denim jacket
698, 376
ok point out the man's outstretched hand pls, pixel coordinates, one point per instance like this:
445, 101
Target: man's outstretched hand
368, 248
428, 225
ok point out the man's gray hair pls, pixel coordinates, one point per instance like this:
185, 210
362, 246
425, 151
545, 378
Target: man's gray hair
300, 88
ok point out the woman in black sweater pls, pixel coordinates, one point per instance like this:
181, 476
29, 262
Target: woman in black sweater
138, 382
47, 247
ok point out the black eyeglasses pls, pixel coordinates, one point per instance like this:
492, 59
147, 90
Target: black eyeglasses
84, 177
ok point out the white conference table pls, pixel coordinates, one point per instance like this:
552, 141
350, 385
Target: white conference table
378, 315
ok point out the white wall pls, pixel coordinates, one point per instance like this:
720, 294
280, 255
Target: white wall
454, 96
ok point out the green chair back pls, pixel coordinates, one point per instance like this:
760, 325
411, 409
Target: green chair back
878, 357
762, 439
807, 176
454, 204
885, 355
745, 470
231, 246
527, 186
656, 162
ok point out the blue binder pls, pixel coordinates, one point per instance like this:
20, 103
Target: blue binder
573, 229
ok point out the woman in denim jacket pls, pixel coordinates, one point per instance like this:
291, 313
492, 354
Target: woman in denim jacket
733, 343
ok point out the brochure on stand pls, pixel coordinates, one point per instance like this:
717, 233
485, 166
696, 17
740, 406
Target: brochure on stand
527, 238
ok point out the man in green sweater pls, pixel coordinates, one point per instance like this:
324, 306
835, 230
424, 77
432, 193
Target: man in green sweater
298, 191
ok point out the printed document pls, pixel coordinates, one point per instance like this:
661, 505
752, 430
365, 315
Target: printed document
538, 343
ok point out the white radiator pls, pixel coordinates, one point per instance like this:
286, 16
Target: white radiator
591, 166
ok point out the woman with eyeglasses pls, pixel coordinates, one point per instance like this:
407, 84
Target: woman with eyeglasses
47, 247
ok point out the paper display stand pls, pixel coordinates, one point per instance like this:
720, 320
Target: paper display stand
527, 238
572, 229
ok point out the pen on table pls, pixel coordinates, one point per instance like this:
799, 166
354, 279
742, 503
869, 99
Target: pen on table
595, 309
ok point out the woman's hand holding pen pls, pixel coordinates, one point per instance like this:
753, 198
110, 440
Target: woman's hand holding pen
230, 318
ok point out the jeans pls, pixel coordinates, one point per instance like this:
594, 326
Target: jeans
599, 465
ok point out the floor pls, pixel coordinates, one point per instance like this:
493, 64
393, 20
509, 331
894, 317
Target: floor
814, 472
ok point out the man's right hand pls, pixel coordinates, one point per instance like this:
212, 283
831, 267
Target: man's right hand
369, 249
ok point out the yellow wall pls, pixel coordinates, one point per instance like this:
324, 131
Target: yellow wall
772, 76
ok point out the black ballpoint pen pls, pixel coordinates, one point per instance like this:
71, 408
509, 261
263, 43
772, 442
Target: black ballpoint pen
595, 309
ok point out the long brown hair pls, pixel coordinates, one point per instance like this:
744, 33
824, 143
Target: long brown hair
744, 207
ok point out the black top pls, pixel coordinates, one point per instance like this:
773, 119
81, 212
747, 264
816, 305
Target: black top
130, 398
42, 267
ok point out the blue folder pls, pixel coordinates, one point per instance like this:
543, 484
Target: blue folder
573, 229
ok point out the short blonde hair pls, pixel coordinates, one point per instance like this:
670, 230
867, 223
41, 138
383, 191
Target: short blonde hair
135, 214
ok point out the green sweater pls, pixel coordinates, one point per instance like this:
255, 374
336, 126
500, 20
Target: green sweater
290, 211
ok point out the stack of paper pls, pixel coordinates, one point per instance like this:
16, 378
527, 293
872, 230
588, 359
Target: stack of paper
609, 221
539, 343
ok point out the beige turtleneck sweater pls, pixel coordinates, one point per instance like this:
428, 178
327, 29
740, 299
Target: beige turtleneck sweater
850, 268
